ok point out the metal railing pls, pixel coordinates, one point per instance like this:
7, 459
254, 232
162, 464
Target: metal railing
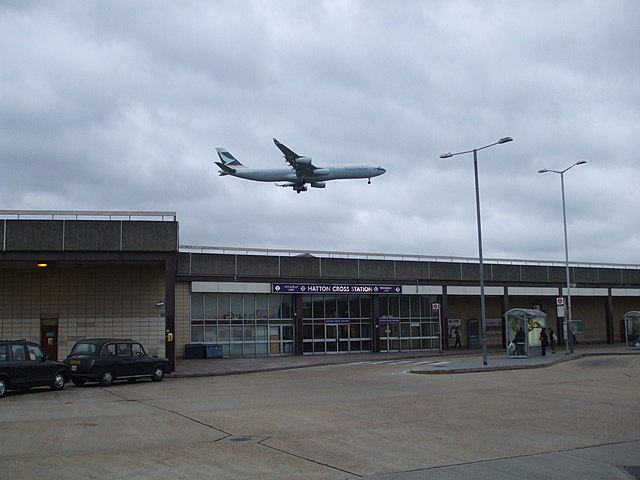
391, 256
86, 214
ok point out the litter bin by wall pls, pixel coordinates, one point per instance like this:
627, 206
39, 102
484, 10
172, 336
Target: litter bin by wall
194, 351
213, 351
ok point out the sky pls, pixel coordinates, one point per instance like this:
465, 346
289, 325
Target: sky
119, 105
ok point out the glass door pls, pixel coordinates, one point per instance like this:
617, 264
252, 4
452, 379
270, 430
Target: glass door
331, 338
389, 337
281, 340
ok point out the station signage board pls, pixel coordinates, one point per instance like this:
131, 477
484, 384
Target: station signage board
347, 289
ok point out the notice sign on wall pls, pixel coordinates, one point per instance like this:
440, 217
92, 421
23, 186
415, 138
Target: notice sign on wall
560, 307
334, 288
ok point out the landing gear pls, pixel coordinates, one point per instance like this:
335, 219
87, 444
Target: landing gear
369, 182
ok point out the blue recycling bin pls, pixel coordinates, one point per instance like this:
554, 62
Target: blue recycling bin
213, 351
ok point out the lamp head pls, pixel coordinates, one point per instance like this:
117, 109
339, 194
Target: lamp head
505, 140
544, 170
581, 162
446, 155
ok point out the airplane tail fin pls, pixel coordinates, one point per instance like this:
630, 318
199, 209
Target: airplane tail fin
228, 163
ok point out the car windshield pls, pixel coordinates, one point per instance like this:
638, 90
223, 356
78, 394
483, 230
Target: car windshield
83, 348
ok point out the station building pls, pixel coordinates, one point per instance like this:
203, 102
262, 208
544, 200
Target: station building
68, 275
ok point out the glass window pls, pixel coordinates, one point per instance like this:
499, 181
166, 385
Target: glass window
197, 305
261, 333
223, 306
355, 330
210, 334
330, 308
210, 306
249, 333
109, 350
262, 306
249, 305
318, 331
307, 331
404, 330
287, 332
404, 307
236, 305
4, 353
366, 332
343, 306
137, 349
384, 306
223, 333
394, 307
365, 307
124, 349
18, 353
287, 307
197, 333
318, 306
306, 306
413, 307
236, 333
35, 352
354, 306
83, 348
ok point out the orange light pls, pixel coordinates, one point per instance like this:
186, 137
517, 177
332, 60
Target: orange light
42, 265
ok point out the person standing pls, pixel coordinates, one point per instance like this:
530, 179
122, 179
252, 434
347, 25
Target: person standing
456, 332
553, 340
544, 341
519, 340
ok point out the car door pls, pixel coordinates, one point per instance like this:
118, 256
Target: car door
41, 370
126, 361
141, 363
19, 365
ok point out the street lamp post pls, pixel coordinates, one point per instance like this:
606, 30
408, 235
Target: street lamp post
566, 250
483, 318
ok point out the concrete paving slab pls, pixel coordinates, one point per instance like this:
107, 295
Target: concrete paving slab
594, 463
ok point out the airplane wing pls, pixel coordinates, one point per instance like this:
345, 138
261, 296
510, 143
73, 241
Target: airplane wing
300, 164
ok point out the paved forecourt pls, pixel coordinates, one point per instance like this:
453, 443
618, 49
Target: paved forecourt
358, 418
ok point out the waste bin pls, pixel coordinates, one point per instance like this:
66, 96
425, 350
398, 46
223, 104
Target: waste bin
213, 351
193, 351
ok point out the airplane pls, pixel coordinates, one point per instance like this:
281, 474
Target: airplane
302, 171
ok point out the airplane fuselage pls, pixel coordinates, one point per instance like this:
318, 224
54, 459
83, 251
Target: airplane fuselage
327, 172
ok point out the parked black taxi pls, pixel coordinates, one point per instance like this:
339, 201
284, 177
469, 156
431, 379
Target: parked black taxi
24, 365
105, 360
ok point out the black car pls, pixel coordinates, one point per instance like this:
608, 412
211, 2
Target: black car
105, 360
24, 365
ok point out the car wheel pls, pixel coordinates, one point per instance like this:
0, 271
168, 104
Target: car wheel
58, 381
3, 387
158, 374
106, 379
78, 382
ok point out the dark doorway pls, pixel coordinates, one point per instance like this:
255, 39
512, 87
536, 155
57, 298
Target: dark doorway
49, 337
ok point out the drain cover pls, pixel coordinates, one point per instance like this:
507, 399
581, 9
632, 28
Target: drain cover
243, 439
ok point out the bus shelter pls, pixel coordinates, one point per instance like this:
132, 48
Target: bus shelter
632, 329
523, 327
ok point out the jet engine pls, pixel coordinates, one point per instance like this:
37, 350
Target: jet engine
303, 160
318, 184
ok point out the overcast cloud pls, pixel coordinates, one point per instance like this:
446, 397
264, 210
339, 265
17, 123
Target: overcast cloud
118, 106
